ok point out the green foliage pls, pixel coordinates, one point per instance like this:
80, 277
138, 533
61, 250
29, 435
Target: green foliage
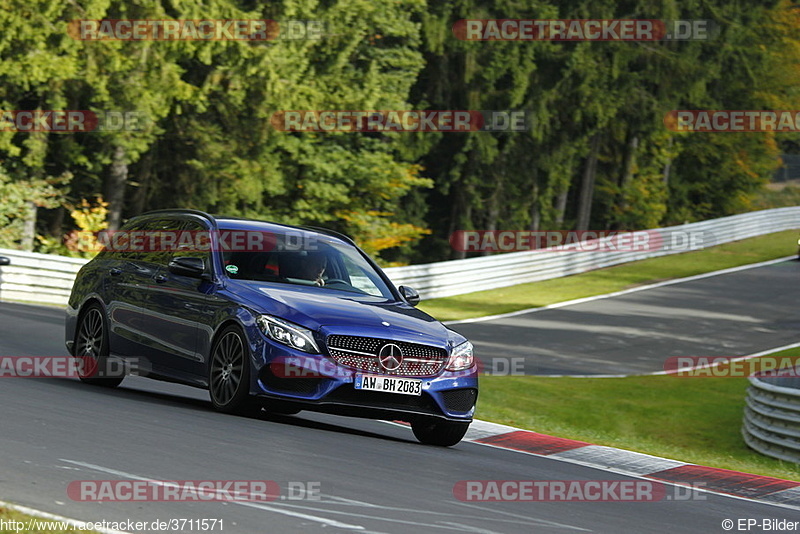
209, 142
647, 176
779, 197
16, 196
230, 159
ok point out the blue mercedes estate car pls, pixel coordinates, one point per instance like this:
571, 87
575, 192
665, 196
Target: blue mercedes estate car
268, 316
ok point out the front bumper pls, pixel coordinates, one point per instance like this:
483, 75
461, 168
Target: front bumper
317, 383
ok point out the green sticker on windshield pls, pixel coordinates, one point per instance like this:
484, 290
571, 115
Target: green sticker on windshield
233, 269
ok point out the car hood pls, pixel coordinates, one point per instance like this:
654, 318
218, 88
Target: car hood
332, 311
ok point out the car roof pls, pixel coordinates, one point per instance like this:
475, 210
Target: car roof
225, 222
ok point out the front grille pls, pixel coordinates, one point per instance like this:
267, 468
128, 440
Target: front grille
460, 400
362, 353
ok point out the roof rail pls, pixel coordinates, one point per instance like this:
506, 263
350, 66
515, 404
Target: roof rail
184, 211
333, 233
213, 220
292, 226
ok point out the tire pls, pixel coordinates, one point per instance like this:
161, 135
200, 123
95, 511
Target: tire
440, 433
229, 373
91, 346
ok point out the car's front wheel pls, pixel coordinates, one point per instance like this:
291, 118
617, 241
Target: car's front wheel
229, 372
441, 433
92, 349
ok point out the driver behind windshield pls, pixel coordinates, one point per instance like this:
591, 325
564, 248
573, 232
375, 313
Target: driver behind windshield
310, 266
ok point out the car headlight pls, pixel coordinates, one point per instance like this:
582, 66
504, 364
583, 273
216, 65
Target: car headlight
288, 333
461, 358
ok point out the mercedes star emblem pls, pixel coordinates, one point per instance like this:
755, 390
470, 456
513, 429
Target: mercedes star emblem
390, 356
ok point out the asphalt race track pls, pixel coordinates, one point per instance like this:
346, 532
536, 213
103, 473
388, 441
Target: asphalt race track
733, 314
372, 476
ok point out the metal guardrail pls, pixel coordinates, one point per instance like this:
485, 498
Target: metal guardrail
772, 417
37, 278
456, 277
47, 279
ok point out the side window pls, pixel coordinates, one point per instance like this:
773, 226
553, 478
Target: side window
193, 241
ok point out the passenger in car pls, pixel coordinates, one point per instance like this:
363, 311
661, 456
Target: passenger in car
310, 266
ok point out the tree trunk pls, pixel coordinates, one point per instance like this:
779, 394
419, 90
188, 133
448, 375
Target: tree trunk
536, 214
143, 175
629, 163
115, 195
494, 212
561, 205
57, 223
562, 197
668, 166
29, 227
460, 212
587, 185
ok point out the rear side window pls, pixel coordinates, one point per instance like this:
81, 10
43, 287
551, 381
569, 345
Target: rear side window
118, 245
141, 241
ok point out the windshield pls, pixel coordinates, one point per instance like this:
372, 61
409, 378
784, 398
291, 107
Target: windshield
321, 263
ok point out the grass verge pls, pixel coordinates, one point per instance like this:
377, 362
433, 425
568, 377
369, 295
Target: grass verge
33, 525
690, 419
608, 280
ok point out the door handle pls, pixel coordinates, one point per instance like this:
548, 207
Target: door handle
161, 278
115, 271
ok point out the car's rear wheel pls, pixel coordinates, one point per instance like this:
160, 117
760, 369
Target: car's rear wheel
92, 349
441, 433
229, 372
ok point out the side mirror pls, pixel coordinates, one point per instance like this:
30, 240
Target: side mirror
410, 294
192, 267
5, 261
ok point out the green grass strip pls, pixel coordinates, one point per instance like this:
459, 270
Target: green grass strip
608, 280
691, 419
32, 525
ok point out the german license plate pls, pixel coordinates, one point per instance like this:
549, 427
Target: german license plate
388, 384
